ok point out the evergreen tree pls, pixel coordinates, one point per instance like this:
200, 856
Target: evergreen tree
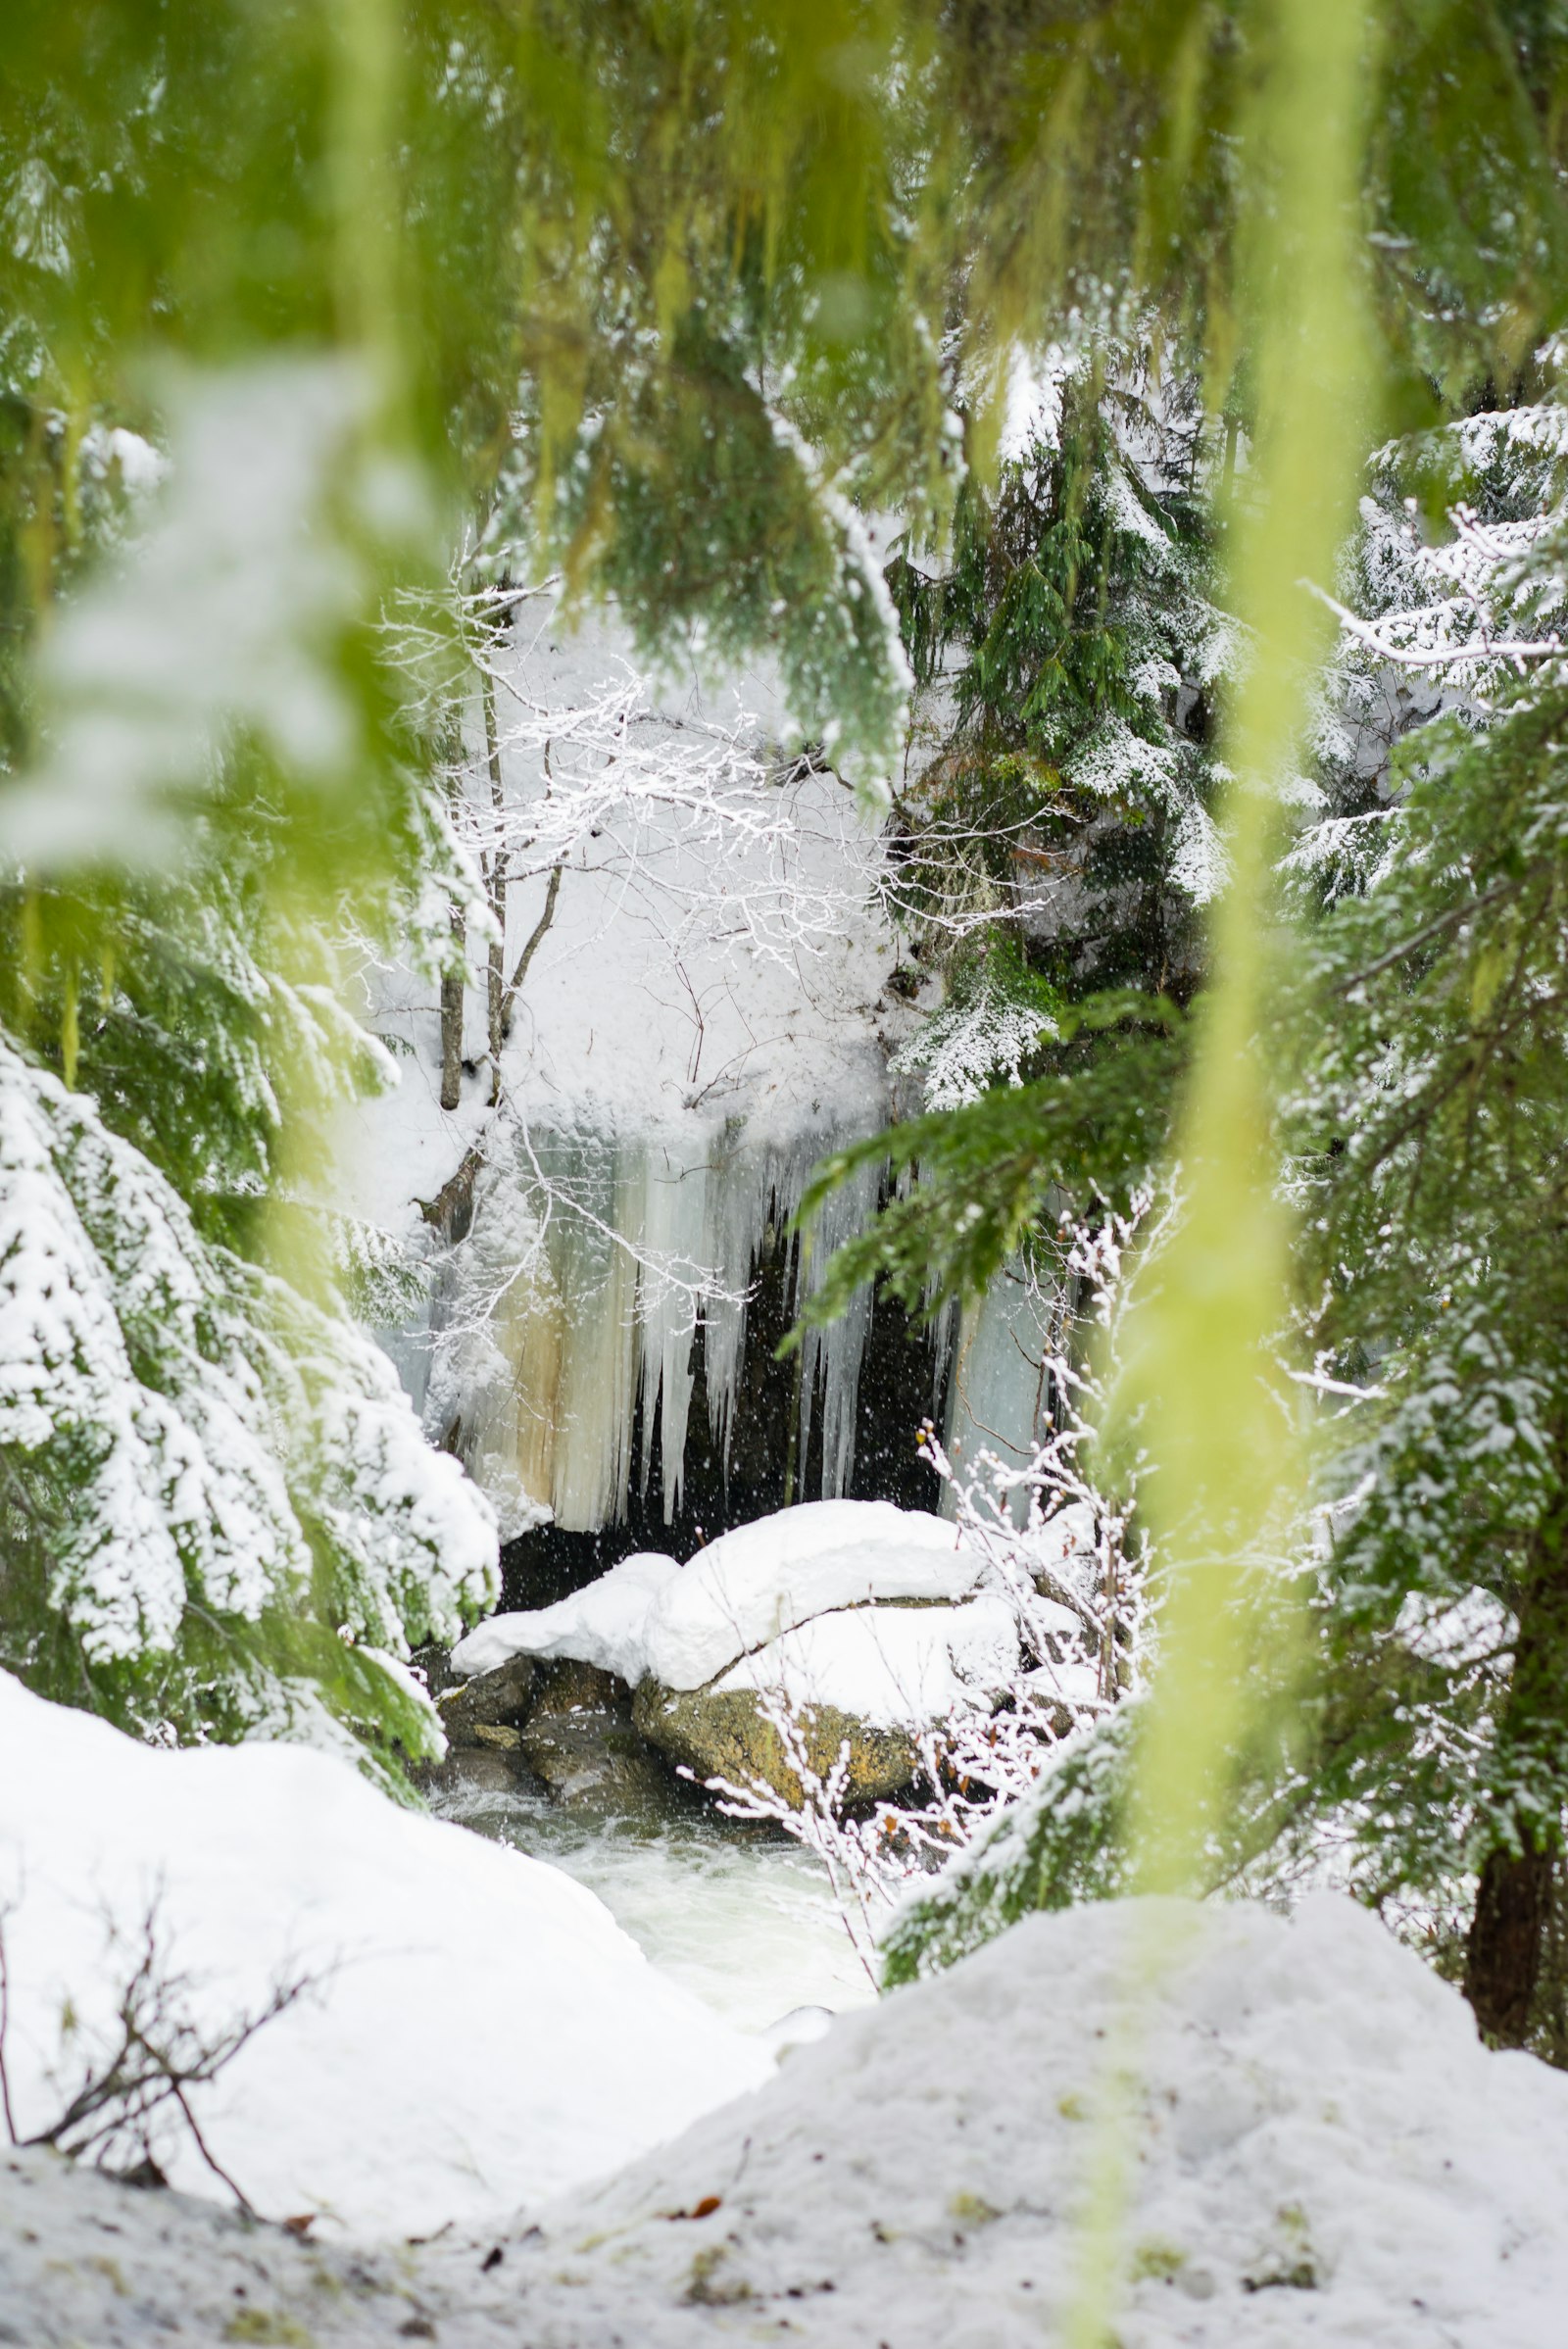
1074, 636
1426, 1141
1433, 1123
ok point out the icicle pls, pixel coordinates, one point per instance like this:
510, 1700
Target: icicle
834, 1354
997, 1399
577, 1296
673, 1225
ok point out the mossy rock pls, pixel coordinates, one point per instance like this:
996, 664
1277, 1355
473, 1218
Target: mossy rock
496, 1700
725, 1733
580, 1741
567, 1685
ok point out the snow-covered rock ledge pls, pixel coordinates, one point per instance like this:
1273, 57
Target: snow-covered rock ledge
866, 1623
1319, 2151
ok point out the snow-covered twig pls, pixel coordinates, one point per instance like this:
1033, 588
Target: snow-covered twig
1381, 637
152, 2056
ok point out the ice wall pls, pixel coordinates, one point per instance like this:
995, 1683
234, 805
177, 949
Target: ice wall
575, 1303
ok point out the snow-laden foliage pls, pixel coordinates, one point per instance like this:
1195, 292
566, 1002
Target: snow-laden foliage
691, 807
1426, 1117
231, 616
988, 1032
759, 505
219, 1513
1069, 657
1474, 594
193, 1455
1426, 1098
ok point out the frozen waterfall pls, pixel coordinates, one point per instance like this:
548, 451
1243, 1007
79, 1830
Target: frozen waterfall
574, 1307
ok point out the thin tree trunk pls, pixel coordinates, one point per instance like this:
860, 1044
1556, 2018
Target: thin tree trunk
452, 991
496, 976
451, 1211
1513, 1900
508, 1001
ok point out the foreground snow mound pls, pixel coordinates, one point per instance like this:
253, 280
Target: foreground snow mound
1319, 2150
768, 1577
483, 2032
604, 1624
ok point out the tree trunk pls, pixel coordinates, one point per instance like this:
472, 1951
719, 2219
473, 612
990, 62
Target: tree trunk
496, 975
1513, 1900
451, 1017
1506, 1934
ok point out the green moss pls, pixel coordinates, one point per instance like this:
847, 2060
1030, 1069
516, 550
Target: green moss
1164, 2261
266, 2324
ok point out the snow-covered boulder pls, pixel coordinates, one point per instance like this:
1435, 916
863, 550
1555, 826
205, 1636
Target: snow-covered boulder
482, 2033
870, 1677
766, 1578
864, 1622
604, 1624
867, 1622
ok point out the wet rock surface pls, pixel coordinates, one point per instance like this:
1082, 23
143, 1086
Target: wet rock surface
472, 1711
581, 1742
477, 1770
727, 1733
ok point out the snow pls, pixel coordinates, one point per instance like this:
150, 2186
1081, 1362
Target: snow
889, 1667
1067, 1535
768, 1577
604, 1624
667, 996
702, 1022
483, 2033
800, 1598
1317, 2150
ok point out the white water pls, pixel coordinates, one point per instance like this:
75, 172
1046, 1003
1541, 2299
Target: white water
742, 1919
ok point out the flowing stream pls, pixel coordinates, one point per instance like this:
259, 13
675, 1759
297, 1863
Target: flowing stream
739, 1916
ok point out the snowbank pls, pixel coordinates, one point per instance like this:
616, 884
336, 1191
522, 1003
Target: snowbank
488, 2036
889, 1667
770, 1576
1319, 2150
604, 1624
